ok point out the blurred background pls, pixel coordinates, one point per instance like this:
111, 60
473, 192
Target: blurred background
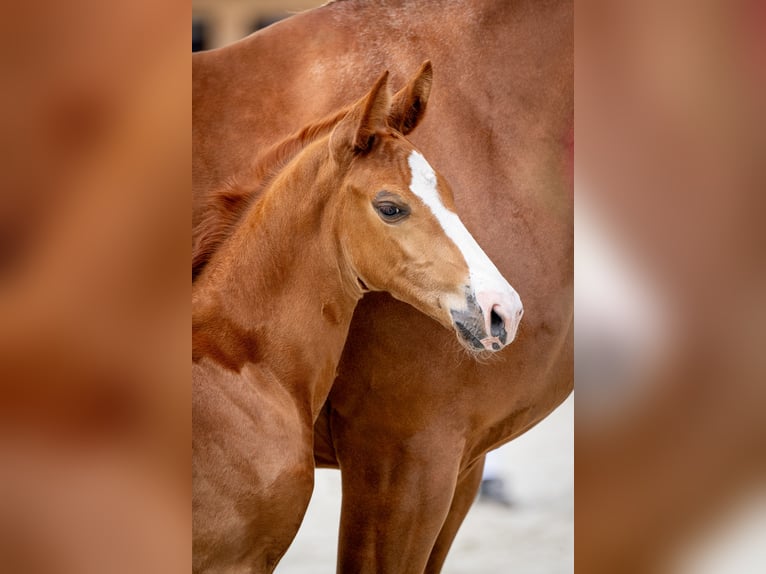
216, 23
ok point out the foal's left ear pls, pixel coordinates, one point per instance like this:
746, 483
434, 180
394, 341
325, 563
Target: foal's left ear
409, 104
356, 132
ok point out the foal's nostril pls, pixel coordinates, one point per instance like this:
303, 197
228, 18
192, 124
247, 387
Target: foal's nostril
495, 321
497, 326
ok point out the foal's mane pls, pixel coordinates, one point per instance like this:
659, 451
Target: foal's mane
223, 208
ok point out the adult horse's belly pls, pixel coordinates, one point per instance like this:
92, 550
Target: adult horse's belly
403, 378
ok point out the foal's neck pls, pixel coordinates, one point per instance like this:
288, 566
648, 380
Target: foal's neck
278, 297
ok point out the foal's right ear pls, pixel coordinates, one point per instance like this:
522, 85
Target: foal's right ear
409, 104
356, 132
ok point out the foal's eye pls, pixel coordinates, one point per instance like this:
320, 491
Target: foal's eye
390, 212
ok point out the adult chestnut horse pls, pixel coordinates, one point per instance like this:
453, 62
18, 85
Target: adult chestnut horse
356, 209
406, 421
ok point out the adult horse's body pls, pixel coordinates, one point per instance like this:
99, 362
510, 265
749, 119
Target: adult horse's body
406, 422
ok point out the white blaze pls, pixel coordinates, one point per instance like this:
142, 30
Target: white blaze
491, 289
483, 273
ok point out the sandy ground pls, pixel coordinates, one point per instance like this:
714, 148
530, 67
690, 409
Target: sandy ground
534, 536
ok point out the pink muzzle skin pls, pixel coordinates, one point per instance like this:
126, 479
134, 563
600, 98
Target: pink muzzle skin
502, 314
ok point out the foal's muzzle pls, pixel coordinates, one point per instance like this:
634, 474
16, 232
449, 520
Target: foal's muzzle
489, 321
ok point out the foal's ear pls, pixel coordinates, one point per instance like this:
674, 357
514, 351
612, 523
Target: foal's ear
356, 132
409, 103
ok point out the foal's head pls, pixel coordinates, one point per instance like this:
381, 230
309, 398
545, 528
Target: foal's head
398, 226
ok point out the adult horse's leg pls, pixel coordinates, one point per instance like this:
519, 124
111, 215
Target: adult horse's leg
465, 493
407, 413
400, 457
403, 495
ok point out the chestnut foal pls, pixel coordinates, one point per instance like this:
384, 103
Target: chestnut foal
356, 208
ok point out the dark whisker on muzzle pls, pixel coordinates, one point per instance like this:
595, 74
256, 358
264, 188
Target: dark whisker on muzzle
468, 335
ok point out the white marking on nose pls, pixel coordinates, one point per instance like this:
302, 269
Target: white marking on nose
483, 275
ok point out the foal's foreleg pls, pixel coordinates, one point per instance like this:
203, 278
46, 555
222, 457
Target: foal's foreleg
245, 521
252, 477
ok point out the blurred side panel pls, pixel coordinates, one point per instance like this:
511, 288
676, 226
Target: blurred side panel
94, 288
671, 272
